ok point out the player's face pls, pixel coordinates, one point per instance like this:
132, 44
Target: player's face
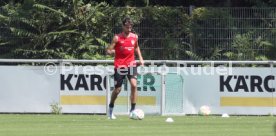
127, 28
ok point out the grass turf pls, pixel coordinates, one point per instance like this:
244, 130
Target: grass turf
99, 125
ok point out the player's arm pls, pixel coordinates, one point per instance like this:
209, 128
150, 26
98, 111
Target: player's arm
110, 49
138, 52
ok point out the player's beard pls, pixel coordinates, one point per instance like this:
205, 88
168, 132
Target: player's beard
127, 32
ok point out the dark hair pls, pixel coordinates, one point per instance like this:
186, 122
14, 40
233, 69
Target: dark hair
127, 20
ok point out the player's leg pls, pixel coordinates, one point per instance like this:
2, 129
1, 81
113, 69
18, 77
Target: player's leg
118, 81
133, 94
114, 95
132, 76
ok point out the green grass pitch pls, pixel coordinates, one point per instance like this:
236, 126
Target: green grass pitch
99, 125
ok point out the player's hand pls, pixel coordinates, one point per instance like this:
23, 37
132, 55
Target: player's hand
142, 63
110, 52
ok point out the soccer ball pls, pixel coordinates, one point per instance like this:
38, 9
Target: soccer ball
204, 110
137, 114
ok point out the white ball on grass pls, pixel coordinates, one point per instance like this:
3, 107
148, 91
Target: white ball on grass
138, 114
204, 110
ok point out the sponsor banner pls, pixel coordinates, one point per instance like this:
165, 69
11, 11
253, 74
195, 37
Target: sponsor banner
83, 90
27, 89
88, 89
242, 91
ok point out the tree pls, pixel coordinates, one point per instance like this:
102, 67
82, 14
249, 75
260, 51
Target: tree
242, 47
34, 30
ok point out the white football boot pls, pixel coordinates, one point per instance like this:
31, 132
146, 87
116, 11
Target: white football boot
112, 116
131, 115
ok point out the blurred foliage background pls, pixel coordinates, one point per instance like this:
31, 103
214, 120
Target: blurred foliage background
172, 30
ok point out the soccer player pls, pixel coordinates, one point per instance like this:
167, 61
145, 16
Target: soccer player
124, 45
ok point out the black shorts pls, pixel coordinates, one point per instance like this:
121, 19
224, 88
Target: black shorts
121, 73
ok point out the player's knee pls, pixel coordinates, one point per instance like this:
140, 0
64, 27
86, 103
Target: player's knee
133, 85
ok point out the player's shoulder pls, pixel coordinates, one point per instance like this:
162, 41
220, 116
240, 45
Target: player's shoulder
115, 38
133, 35
117, 35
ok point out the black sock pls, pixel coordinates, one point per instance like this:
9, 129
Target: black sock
111, 105
132, 107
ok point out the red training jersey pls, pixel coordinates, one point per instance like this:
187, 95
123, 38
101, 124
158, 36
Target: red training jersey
124, 50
